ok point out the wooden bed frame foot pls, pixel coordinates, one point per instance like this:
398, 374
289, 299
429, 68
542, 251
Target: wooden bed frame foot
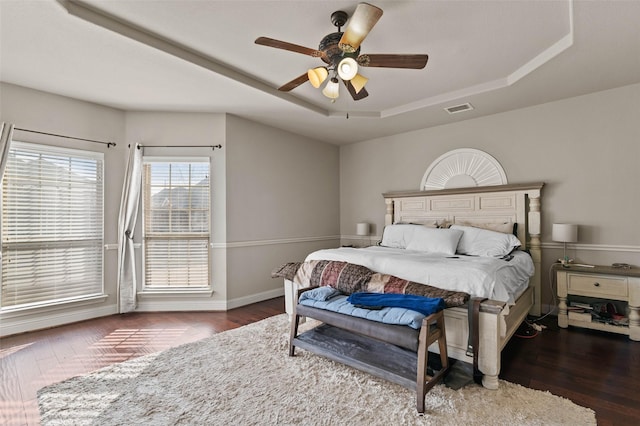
490, 382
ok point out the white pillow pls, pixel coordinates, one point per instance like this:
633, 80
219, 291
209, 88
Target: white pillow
482, 242
435, 240
398, 235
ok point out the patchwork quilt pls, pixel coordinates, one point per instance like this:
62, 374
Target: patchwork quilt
349, 278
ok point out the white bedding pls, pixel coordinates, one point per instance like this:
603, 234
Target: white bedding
488, 277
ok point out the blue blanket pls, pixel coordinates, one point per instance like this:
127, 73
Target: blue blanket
332, 300
424, 305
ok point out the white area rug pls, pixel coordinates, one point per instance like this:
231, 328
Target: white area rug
245, 377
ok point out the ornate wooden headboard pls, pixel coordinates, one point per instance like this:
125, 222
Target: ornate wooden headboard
518, 203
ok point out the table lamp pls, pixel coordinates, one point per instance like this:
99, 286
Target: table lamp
565, 233
363, 230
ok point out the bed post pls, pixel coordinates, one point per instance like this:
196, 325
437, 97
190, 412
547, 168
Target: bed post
535, 249
388, 217
489, 360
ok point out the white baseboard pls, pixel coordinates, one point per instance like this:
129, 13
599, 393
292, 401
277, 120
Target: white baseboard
23, 324
53, 319
254, 298
176, 304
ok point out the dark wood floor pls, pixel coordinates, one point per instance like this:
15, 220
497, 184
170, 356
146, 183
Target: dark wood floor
594, 369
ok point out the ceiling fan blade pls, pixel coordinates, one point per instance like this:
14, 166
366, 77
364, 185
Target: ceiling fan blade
393, 61
356, 96
294, 83
278, 44
362, 21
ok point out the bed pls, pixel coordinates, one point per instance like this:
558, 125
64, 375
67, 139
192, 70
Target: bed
516, 206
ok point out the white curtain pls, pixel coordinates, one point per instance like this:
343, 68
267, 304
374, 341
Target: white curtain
6, 132
127, 284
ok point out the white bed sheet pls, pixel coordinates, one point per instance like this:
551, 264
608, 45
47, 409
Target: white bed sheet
488, 277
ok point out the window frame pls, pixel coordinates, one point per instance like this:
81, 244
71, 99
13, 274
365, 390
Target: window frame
91, 294
146, 290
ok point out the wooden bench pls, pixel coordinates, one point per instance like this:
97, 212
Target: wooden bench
396, 353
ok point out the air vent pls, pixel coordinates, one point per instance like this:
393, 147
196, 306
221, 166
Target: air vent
459, 108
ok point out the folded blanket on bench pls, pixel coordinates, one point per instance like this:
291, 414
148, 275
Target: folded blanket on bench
329, 299
350, 278
424, 305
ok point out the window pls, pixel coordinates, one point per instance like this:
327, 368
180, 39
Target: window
176, 215
52, 226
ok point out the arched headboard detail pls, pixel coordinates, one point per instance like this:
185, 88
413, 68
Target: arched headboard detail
465, 167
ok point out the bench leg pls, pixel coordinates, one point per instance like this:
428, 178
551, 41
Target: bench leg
294, 332
442, 345
428, 336
421, 382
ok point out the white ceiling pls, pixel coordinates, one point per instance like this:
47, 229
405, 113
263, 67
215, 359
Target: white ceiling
199, 55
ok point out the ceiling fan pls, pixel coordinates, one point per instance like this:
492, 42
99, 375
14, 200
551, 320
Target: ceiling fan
341, 52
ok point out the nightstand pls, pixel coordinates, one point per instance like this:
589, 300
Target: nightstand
598, 286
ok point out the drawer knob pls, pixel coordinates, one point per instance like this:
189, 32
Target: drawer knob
596, 284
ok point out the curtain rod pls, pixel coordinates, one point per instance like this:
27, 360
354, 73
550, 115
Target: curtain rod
213, 147
108, 144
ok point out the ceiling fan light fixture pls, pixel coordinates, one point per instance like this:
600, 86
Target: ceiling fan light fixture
340, 52
358, 82
364, 18
317, 76
332, 89
347, 68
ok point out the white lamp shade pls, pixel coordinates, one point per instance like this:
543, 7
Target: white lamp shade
362, 229
564, 233
332, 89
347, 68
317, 76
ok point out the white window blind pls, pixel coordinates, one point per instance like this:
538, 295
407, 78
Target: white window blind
176, 214
52, 225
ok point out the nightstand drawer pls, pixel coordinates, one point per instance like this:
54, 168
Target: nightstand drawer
598, 285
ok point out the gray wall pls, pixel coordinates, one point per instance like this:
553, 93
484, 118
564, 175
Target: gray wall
275, 194
586, 149
282, 203
278, 196
165, 130
40, 111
